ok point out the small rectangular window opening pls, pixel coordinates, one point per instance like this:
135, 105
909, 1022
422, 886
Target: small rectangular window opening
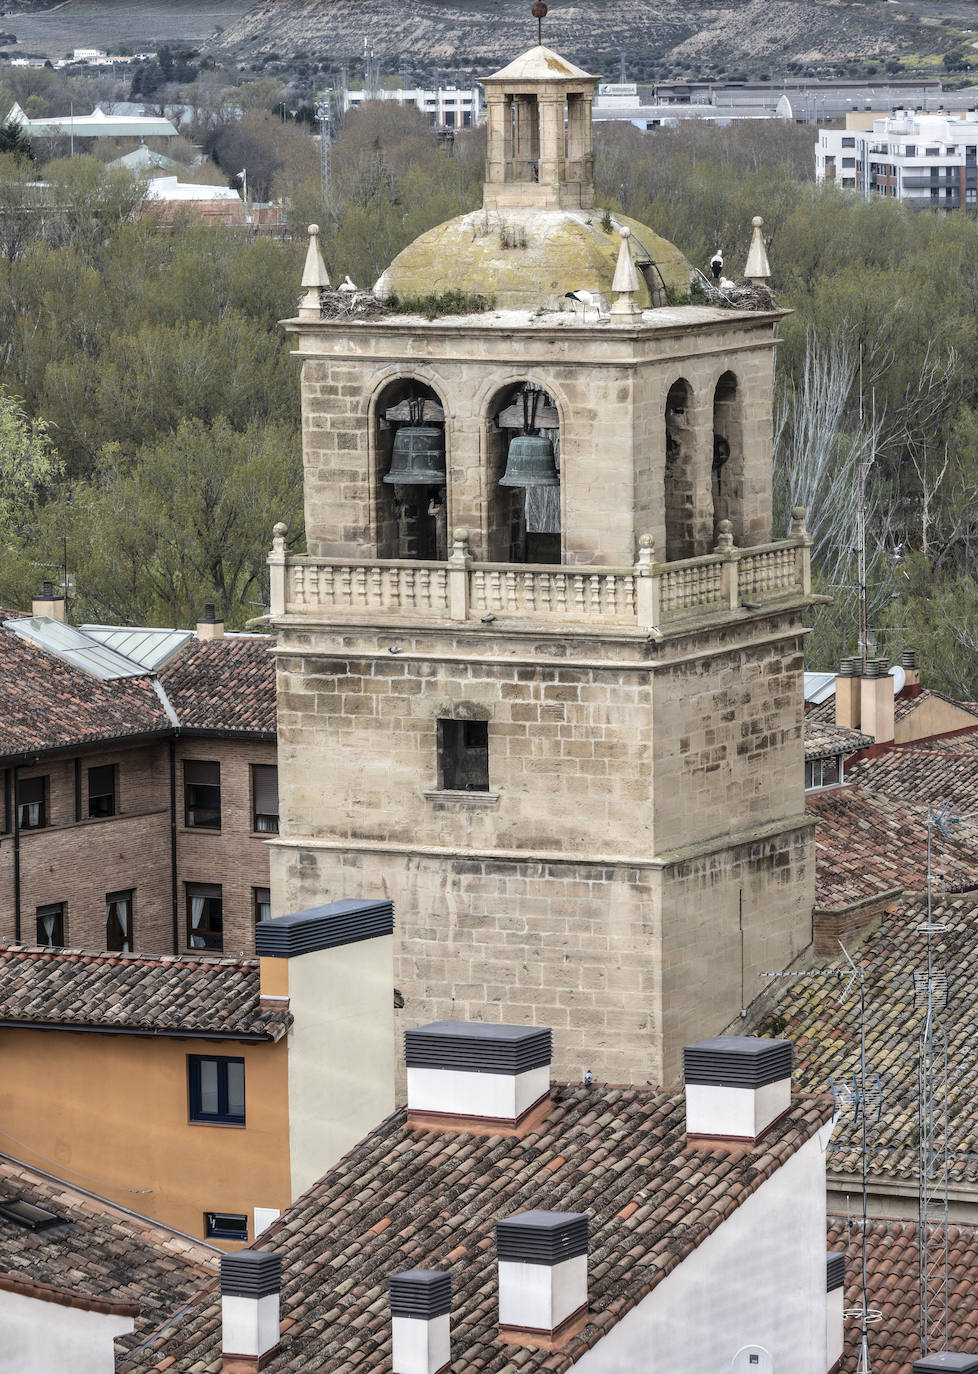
264, 789
51, 925
205, 916
263, 903
202, 794
101, 790
118, 922
217, 1089
225, 1226
30, 1217
31, 803
463, 755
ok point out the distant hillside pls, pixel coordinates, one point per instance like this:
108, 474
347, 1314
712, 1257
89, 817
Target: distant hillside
482, 34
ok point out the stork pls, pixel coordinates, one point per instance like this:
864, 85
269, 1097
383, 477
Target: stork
716, 266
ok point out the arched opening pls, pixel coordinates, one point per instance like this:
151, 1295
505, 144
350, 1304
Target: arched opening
679, 494
410, 473
524, 476
728, 457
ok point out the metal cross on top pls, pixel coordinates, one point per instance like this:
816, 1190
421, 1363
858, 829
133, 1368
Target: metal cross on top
539, 10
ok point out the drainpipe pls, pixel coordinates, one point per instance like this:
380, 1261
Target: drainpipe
16, 858
175, 912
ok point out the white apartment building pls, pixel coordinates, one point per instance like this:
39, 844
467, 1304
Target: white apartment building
448, 107
928, 160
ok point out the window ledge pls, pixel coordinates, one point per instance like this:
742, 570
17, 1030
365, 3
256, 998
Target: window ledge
442, 797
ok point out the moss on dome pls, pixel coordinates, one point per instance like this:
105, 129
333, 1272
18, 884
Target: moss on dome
528, 259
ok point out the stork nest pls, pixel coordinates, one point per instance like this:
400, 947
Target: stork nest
360, 305
742, 296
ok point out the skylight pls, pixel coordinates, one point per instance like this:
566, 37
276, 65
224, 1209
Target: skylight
26, 1214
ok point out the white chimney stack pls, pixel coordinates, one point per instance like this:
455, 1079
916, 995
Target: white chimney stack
478, 1078
421, 1301
251, 1281
542, 1277
835, 1278
208, 626
736, 1086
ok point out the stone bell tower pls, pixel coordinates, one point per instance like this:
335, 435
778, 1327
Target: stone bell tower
540, 668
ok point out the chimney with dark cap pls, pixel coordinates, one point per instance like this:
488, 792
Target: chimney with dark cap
847, 693
251, 1281
333, 967
48, 603
480, 1078
736, 1086
421, 1301
208, 626
835, 1278
542, 1259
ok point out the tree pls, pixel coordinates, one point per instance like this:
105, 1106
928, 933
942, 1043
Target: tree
29, 466
14, 141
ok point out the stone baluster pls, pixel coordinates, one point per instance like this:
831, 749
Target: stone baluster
803, 553
647, 586
729, 581
458, 576
277, 570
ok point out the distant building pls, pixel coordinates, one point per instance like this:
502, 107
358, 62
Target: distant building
927, 160
448, 107
96, 125
165, 196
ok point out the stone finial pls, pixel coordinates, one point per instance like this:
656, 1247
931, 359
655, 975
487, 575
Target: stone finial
279, 532
626, 283
460, 547
646, 550
758, 268
799, 530
314, 277
725, 540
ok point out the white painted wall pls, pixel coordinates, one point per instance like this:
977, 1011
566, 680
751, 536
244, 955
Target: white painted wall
834, 1328
249, 1326
420, 1347
742, 1113
541, 1296
503, 1096
41, 1337
341, 1052
758, 1280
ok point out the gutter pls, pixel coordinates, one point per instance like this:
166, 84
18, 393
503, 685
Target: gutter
16, 771
155, 1033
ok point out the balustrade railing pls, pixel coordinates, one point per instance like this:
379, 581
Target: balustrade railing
645, 596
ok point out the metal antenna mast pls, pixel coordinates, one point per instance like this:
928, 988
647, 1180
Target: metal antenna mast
324, 118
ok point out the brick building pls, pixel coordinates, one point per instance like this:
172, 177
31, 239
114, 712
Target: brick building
138, 785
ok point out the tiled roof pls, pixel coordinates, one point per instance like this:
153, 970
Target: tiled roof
45, 703
102, 1258
942, 772
868, 843
825, 1032
905, 706
224, 684
824, 737
419, 1199
180, 994
892, 1286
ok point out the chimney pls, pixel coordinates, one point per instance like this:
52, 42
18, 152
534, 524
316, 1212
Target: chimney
208, 626
250, 1284
944, 1362
477, 1078
334, 965
48, 603
847, 694
542, 1277
876, 701
908, 662
835, 1278
736, 1086
421, 1300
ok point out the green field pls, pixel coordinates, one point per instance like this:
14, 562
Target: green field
101, 23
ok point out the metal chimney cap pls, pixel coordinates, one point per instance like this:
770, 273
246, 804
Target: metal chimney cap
323, 927
908, 659
835, 1269
539, 1237
251, 1274
420, 1293
478, 1047
209, 617
737, 1061
942, 1361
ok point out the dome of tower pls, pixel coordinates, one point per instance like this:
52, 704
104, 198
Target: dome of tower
528, 259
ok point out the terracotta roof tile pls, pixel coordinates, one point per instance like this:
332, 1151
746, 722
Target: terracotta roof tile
437, 1188
102, 1257
824, 737
224, 684
179, 994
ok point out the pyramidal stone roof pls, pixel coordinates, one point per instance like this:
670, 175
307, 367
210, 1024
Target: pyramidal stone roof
540, 64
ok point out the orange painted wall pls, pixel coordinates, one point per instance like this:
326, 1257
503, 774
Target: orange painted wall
111, 1112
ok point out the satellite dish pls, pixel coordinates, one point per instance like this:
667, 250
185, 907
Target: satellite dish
752, 1359
899, 677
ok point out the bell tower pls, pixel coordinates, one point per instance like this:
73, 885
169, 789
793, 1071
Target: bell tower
540, 670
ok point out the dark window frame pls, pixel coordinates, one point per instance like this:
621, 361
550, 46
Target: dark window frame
261, 896
57, 910
216, 1226
97, 808
113, 899
463, 755
201, 797
42, 803
223, 1116
210, 933
263, 822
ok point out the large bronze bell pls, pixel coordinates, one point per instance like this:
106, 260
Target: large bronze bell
418, 459
530, 463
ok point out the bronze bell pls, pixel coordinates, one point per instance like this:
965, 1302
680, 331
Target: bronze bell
530, 463
418, 459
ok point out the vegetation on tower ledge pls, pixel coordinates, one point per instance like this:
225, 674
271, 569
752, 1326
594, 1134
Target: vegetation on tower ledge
441, 303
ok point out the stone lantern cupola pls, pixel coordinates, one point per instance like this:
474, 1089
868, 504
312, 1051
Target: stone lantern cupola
539, 150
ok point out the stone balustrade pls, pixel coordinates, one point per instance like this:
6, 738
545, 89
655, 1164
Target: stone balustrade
647, 596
